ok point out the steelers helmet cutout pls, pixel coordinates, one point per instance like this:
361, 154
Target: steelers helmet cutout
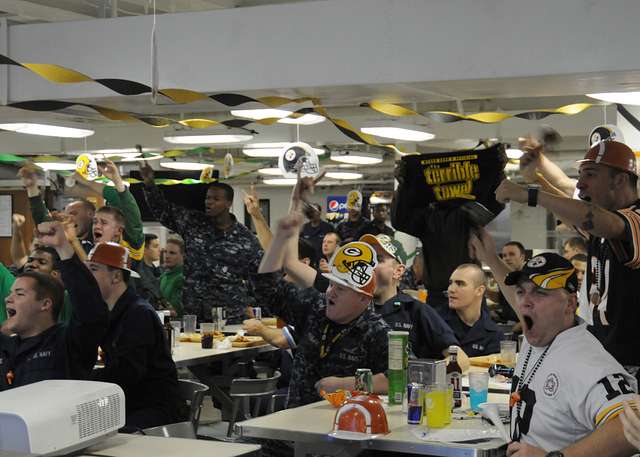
354, 200
206, 174
87, 167
298, 155
606, 132
537, 262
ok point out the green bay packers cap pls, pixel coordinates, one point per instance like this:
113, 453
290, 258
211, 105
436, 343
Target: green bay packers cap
548, 271
390, 245
352, 266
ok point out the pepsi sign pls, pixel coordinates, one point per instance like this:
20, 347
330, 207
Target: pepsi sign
337, 204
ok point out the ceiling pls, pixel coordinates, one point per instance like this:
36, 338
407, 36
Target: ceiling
464, 96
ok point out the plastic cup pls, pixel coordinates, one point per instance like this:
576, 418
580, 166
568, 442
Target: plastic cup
508, 352
206, 332
478, 388
437, 405
177, 326
190, 321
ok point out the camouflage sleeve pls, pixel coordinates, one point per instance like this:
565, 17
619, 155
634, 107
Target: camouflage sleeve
39, 210
378, 341
172, 216
124, 201
284, 299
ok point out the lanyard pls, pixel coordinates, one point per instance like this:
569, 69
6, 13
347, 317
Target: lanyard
325, 347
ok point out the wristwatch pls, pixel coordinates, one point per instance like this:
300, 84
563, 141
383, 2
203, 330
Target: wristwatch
532, 190
554, 454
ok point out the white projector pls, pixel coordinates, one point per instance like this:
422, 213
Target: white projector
59, 416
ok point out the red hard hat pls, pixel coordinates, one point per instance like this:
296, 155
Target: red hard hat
361, 417
113, 255
613, 154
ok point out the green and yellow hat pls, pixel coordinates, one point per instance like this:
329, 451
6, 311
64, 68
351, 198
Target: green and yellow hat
548, 271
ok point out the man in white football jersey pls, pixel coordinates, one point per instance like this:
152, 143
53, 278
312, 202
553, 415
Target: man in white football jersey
567, 391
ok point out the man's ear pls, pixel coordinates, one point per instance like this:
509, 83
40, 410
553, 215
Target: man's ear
47, 304
55, 274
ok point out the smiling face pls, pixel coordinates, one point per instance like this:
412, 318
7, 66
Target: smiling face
40, 261
25, 311
545, 313
344, 304
596, 185
216, 203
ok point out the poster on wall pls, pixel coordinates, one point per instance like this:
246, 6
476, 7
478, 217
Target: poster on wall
5, 215
336, 207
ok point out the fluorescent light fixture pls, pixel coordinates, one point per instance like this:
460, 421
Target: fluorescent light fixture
280, 181
305, 119
356, 157
271, 171
268, 150
343, 175
47, 130
106, 155
624, 98
405, 133
192, 137
56, 166
514, 154
190, 166
258, 114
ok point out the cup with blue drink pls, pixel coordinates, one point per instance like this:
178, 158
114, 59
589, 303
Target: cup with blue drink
478, 388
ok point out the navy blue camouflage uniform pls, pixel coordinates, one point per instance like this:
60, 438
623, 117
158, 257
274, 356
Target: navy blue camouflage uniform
218, 265
482, 338
429, 334
362, 343
63, 351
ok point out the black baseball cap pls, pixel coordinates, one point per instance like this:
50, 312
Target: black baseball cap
548, 271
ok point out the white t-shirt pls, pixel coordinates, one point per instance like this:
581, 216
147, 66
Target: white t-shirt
577, 388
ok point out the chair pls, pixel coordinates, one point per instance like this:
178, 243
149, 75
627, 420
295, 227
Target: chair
192, 393
243, 390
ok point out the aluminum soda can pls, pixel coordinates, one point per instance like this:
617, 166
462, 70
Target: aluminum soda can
364, 380
414, 403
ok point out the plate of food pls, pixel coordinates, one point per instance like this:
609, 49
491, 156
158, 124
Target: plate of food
242, 341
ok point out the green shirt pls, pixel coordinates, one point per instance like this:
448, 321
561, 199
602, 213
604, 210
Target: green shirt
6, 281
133, 238
171, 282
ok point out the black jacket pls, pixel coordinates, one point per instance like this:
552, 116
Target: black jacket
138, 359
63, 351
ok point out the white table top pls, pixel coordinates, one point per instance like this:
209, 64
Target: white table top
312, 423
142, 446
188, 354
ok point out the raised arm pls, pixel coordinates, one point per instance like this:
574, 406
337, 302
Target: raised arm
584, 215
263, 231
172, 216
535, 166
29, 178
90, 315
483, 248
18, 248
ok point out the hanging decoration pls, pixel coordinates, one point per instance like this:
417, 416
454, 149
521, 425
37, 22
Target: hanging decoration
392, 109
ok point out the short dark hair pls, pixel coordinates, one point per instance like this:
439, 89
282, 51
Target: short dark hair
517, 244
178, 242
149, 237
46, 286
228, 190
578, 258
55, 258
115, 212
306, 250
576, 242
